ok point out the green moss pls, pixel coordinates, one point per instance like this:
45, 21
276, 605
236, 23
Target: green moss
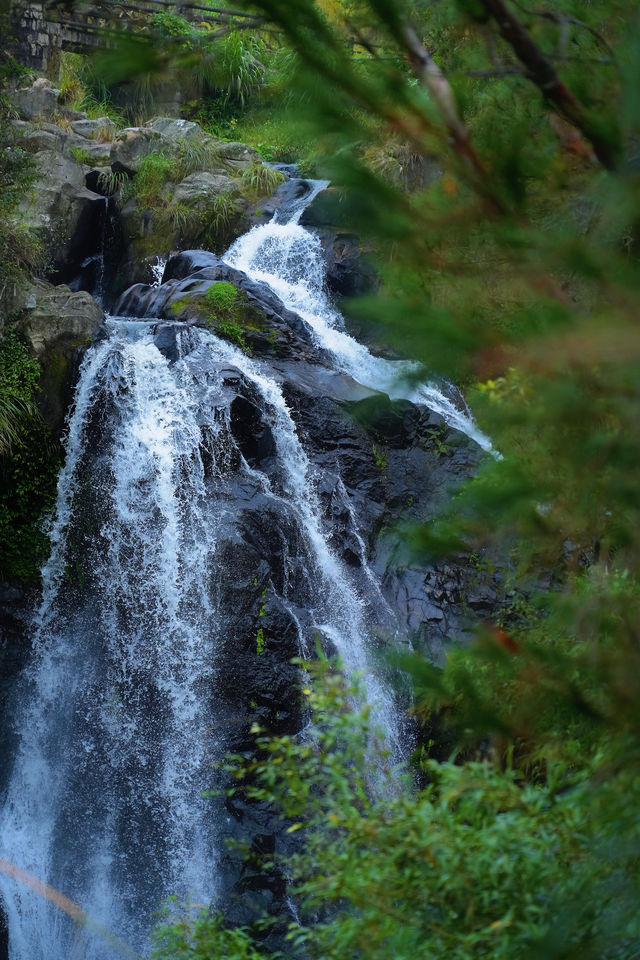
227, 312
225, 305
380, 458
182, 303
233, 332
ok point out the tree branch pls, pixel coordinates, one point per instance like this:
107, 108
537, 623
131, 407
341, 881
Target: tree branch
541, 71
429, 73
565, 18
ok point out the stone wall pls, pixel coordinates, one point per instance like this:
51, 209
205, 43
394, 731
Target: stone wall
38, 39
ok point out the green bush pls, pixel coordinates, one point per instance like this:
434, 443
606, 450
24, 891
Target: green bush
20, 251
262, 180
154, 172
28, 465
478, 864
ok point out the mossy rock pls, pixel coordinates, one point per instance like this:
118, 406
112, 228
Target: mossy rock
225, 310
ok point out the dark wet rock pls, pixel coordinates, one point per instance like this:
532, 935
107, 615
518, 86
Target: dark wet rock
251, 432
350, 272
286, 195
268, 327
4, 934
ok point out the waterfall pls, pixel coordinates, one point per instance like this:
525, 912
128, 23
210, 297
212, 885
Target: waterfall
172, 517
105, 800
105, 797
157, 269
288, 258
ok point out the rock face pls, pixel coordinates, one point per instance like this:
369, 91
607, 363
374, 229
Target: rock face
64, 211
349, 273
203, 198
81, 161
66, 214
39, 101
59, 325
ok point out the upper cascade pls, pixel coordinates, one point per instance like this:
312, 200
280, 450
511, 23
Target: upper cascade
288, 258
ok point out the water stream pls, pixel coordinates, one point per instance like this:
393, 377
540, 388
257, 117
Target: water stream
289, 259
119, 711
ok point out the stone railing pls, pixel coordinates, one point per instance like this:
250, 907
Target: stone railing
41, 31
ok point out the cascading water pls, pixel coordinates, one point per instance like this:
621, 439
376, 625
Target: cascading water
288, 258
122, 709
105, 801
157, 270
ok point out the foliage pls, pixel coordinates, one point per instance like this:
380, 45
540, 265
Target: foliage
219, 215
20, 251
28, 464
196, 938
223, 299
380, 458
477, 864
111, 181
156, 169
225, 303
79, 88
170, 24
69, 77
262, 180
81, 155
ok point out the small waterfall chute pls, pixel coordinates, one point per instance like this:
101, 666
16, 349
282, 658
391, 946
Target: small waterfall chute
288, 258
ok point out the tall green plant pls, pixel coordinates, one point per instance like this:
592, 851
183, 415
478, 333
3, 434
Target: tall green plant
477, 864
28, 464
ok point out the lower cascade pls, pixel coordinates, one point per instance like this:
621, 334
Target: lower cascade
212, 523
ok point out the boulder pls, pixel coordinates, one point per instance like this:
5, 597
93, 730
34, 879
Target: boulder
56, 314
176, 131
238, 155
44, 136
198, 188
349, 273
88, 153
58, 324
103, 128
131, 147
62, 209
41, 100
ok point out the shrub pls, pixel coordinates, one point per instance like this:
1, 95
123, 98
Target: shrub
28, 464
262, 180
154, 172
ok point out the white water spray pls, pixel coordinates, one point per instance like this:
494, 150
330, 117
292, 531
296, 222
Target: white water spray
288, 258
